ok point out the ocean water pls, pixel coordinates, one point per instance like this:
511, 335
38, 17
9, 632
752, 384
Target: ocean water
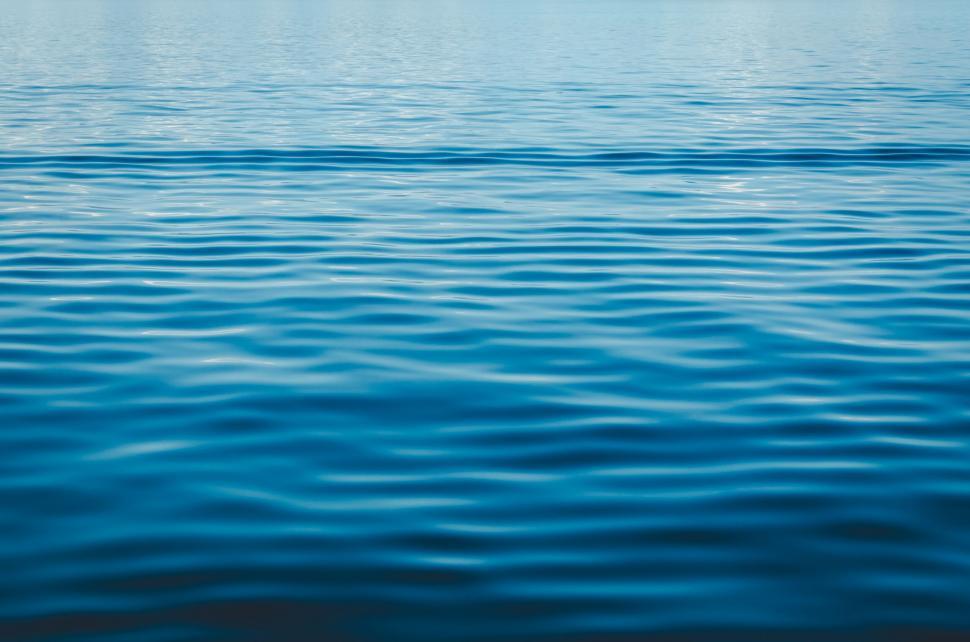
443, 320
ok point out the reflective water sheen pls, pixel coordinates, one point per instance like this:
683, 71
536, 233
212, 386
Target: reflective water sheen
421, 320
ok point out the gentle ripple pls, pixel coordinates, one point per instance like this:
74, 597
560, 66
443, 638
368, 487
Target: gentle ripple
465, 320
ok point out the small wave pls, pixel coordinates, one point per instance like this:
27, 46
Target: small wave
342, 158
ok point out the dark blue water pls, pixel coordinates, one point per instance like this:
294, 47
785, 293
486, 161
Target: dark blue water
431, 320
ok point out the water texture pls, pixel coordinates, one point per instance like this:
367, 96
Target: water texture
440, 320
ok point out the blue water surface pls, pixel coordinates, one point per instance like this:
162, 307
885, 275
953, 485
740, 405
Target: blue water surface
491, 320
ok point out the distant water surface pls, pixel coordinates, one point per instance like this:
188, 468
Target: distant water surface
421, 320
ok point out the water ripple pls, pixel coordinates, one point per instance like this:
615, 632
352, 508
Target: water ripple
310, 159
548, 320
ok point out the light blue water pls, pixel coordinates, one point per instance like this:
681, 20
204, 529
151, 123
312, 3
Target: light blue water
425, 320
